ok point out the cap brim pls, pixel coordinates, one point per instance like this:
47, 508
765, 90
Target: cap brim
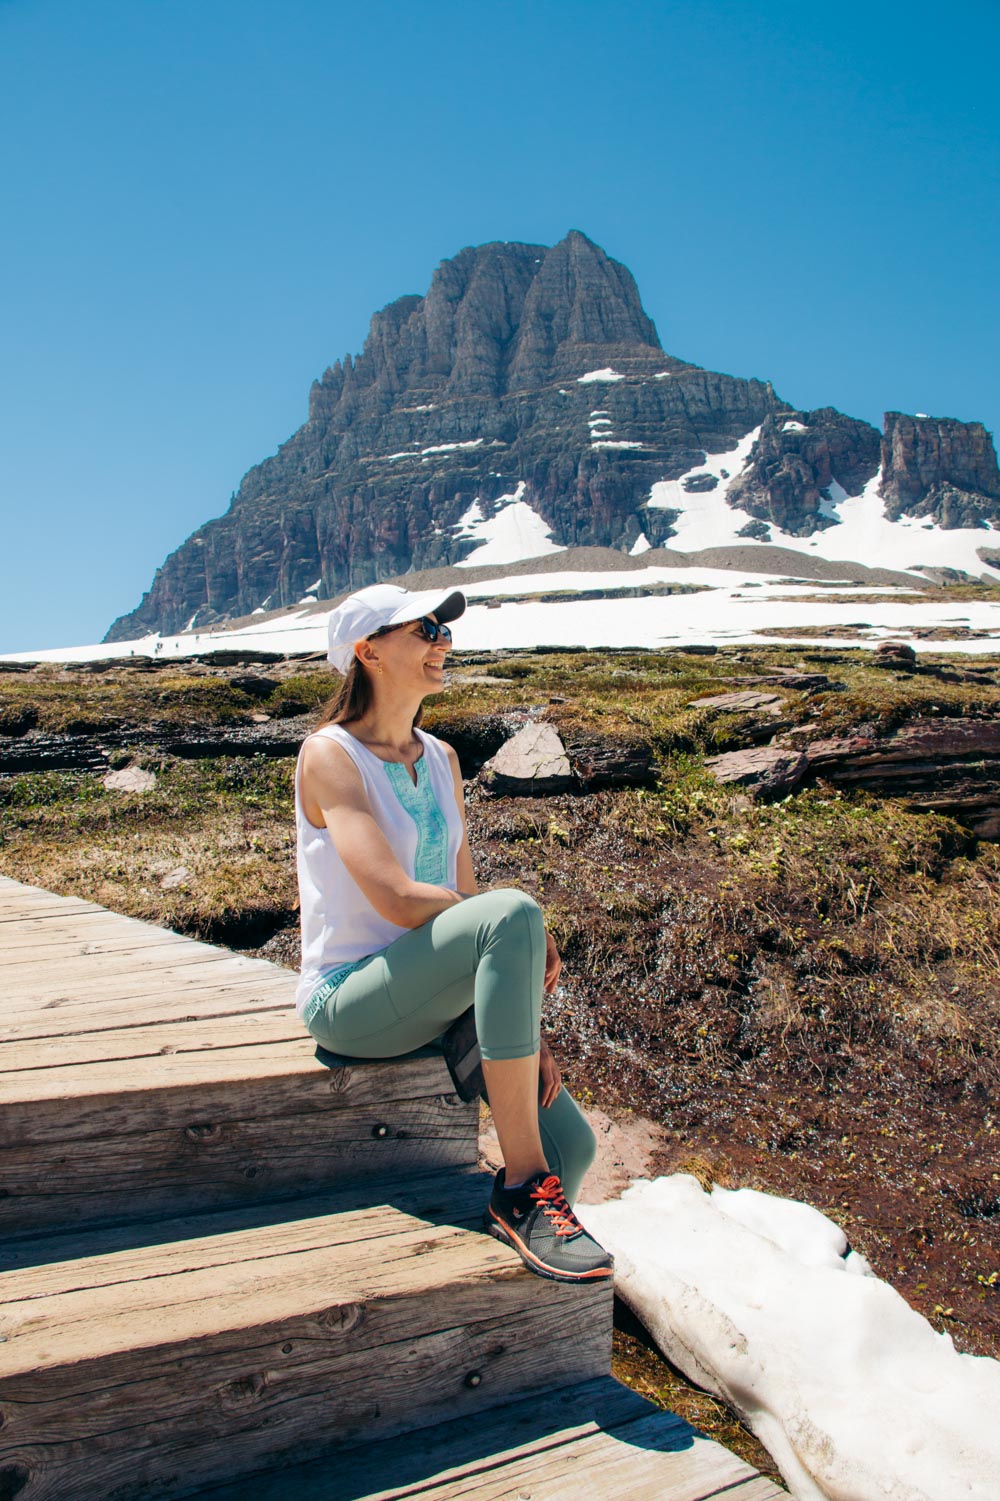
446, 604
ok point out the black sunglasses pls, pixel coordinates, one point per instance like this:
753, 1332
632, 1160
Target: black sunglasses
429, 629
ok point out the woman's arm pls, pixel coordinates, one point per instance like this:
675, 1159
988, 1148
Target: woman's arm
331, 787
550, 1077
466, 876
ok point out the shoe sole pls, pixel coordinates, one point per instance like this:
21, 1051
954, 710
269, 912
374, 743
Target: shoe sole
500, 1231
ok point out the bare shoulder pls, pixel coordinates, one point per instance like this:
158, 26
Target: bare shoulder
327, 769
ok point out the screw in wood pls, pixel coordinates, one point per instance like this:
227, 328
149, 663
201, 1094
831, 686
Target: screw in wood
474, 1378
380, 1131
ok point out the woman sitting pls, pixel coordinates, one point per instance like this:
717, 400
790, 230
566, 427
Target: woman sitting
396, 941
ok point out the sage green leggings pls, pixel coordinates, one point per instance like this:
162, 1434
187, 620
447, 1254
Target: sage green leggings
488, 951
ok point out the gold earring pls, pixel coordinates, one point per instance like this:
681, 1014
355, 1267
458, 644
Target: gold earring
378, 666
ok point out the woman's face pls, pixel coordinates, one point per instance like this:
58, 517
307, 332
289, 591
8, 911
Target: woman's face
409, 660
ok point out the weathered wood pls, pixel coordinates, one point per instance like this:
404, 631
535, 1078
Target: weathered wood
596, 1439
155, 1039
38, 994
646, 1460
110, 955
62, 1019
211, 1163
402, 1466
219, 1367
63, 1015
60, 1263
92, 1101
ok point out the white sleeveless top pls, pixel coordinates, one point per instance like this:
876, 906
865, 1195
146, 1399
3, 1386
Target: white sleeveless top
424, 828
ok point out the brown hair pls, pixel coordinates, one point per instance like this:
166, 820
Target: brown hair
353, 699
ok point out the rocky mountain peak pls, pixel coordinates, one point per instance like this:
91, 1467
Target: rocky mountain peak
524, 401
497, 318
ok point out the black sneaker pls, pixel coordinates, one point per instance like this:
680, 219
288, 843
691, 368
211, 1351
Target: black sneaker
538, 1223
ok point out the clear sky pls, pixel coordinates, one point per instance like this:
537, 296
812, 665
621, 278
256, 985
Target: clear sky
205, 200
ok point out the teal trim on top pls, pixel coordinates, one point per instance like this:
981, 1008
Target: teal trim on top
431, 860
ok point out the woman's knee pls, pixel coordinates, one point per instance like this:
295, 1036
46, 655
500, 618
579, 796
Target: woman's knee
508, 908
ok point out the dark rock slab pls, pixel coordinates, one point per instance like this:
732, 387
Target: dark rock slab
612, 763
767, 772
739, 703
949, 766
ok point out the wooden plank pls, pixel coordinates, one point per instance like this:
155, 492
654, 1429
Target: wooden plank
35, 985
60, 1263
161, 944
438, 1197
96, 922
331, 1347
212, 1163
62, 1016
73, 1104
20, 938
17, 897
156, 1039
402, 1466
645, 1460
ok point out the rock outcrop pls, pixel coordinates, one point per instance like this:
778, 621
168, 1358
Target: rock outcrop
939, 467
947, 766
798, 456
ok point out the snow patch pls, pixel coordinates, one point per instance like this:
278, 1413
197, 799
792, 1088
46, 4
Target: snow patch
759, 1299
607, 374
450, 447
616, 443
514, 532
641, 544
794, 427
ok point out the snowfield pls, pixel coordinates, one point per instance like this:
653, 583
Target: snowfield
735, 607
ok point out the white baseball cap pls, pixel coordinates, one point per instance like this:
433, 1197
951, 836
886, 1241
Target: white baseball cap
362, 614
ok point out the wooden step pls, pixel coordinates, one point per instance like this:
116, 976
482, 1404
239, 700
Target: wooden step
156, 1370
597, 1439
144, 1074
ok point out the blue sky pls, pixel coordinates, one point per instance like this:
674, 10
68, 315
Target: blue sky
205, 202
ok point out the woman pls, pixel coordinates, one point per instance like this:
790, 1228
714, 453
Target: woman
396, 942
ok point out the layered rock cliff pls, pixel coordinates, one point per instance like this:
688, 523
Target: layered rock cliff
532, 373
939, 467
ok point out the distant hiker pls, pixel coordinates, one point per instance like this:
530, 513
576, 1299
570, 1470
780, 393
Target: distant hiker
396, 941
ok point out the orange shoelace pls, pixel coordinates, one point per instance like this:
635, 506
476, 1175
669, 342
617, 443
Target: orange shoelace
549, 1194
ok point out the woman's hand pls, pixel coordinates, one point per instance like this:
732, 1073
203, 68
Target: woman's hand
549, 1077
553, 965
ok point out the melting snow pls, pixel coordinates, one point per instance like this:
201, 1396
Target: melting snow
449, 447
615, 443
641, 544
794, 427
515, 532
406, 453
760, 1299
607, 374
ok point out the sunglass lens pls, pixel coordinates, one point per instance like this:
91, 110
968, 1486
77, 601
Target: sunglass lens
431, 630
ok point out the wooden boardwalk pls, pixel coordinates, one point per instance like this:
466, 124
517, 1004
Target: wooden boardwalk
223, 1263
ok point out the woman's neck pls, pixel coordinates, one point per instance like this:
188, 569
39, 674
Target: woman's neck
388, 725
